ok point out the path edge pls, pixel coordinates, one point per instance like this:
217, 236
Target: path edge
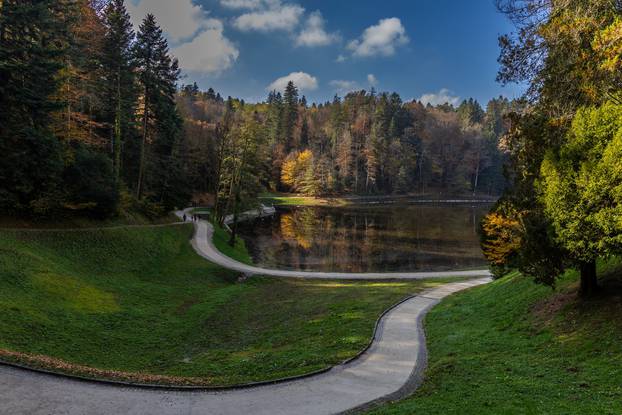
417, 376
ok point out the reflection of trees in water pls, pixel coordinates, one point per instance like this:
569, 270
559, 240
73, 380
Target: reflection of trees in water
364, 239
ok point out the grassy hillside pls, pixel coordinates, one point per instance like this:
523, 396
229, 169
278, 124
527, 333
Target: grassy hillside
516, 348
140, 300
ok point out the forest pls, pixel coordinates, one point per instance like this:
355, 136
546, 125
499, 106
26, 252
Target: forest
95, 121
363, 143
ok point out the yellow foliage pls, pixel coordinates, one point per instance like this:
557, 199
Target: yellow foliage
288, 172
609, 45
294, 169
502, 238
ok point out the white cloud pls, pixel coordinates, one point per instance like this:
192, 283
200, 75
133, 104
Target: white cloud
314, 33
180, 19
286, 17
341, 58
444, 96
381, 39
343, 87
372, 80
302, 80
209, 52
250, 4
199, 41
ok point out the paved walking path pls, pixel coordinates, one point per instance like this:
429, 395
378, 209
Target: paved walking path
391, 368
203, 245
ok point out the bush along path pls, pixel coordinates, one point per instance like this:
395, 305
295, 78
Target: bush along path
204, 246
391, 368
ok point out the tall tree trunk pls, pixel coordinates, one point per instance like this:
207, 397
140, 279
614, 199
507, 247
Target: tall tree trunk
117, 131
236, 208
219, 166
476, 181
589, 281
143, 145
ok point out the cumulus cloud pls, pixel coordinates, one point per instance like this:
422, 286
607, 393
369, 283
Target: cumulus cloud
343, 87
209, 52
302, 80
381, 39
199, 41
341, 58
314, 33
180, 19
444, 96
372, 80
285, 17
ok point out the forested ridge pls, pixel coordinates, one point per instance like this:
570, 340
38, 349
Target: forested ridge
95, 121
363, 143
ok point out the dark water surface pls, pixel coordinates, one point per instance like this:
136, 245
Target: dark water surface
368, 238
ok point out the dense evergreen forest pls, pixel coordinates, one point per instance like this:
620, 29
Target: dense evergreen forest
89, 119
94, 122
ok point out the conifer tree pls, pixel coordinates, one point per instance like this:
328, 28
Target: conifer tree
119, 79
290, 114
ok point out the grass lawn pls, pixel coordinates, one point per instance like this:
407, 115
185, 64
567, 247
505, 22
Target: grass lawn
141, 301
237, 252
516, 348
282, 199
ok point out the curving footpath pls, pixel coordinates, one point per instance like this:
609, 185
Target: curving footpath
390, 369
203, 245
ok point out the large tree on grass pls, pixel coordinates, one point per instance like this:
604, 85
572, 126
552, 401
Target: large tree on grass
582, 189
560, 49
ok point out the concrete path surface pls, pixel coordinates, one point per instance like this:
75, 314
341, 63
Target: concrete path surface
390, 368
203, 245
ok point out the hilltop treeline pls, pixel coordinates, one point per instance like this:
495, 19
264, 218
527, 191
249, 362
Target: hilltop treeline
365, 143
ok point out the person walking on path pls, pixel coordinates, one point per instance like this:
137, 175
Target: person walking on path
185, 217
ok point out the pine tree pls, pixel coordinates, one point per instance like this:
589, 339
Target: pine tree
119, 80
290, 114
158, 74
151, 51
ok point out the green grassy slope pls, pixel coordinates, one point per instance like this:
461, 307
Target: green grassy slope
516, 348
140, 300
238, 252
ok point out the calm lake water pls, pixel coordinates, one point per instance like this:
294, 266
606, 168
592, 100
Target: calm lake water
368, 238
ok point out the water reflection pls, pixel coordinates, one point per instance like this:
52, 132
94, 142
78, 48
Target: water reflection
364, 239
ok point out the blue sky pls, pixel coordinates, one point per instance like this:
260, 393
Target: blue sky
434, 50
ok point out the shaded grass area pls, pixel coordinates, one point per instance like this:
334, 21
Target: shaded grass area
125, 218
140, 300
513, 347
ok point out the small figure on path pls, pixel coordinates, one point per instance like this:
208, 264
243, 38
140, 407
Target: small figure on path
185, 217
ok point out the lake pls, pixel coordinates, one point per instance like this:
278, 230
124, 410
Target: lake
381, 238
